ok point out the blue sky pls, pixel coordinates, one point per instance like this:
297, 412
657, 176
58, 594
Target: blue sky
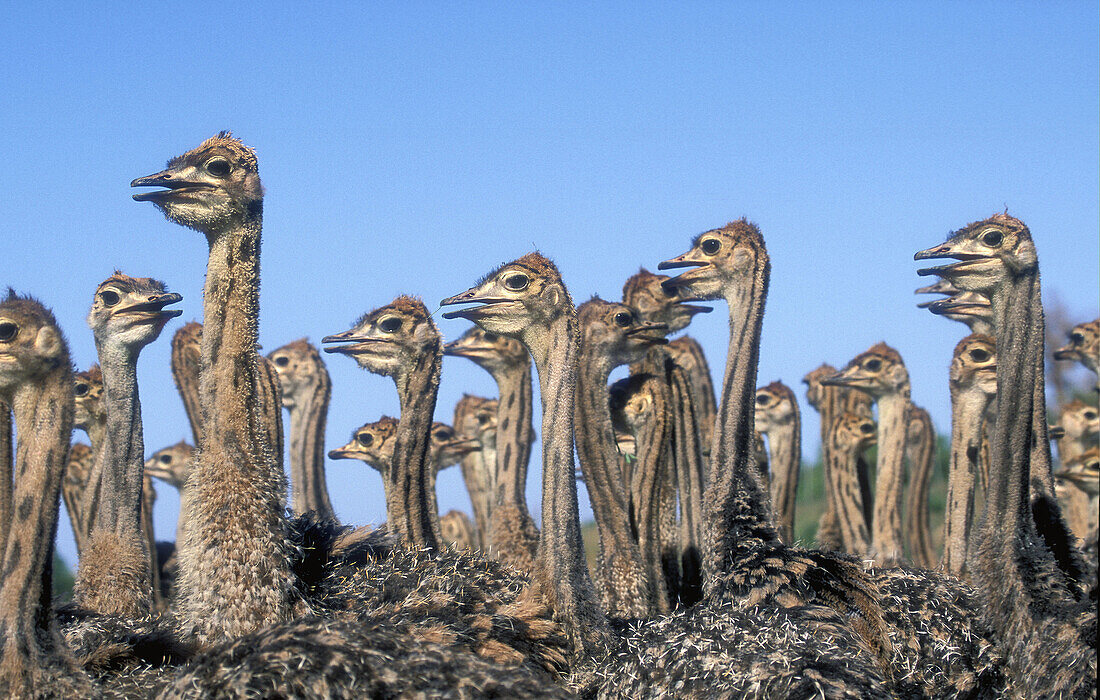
411, 147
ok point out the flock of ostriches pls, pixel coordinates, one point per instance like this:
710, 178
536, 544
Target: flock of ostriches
699, 591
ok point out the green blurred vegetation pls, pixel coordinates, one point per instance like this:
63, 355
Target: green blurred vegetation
62, 580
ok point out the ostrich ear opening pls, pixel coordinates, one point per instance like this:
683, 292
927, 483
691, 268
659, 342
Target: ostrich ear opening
552, 295
899, 375
47, 342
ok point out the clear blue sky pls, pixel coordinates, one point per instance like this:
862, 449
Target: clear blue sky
410, 147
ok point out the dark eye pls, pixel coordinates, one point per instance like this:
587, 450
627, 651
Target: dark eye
364, 439
517, 283
867, 428
490, 337
282, 360
1076, 338
218, 167
710, 246
109, 297
873, 365
483, 419
669, 291
979, 355
8, 331
1090, 415
165, 459
443, 435
992, 238
761, 400
80, 390
391, 324
624, 319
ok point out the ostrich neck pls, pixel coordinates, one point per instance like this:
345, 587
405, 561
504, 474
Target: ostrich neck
652, 487
843, 475
886, 538
785, 456
307, 449
43, 416
922, 459
515, 433
411, 471
236, 489
185, 372
123, 446
6, 457
561, 574
115, 572
737, 508
599, 458
688, 464
968, 405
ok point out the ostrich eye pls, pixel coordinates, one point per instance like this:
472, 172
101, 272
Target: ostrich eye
218, 167
517, 283
80, 390
710, 246
761, 400
165, 459
443, 435
979, 355
364, 439
873, 365
1090, 415
992, 238
109, 297
490, 337
1076, 338
867, 428
390, 324
624, 319
282, 361
8, 331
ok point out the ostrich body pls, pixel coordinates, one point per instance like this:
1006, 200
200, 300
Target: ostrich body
1030, 579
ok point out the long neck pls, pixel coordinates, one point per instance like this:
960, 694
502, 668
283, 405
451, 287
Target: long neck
515, 433
844, 478
411, 472
30, 647
828, 536
599, 459
967, 408
6, 456
560, 571
185, 372
307, 448
886, 537
690, 468
115, 573
651, 488
236, 491
785, 456
1020, 449
476, 475
737, 508
74, 488
694, 361
922, 459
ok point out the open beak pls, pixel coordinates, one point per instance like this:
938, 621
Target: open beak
470, 296
352, 343
942, 307
678, 262
650, 332
155, 305
168, 180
